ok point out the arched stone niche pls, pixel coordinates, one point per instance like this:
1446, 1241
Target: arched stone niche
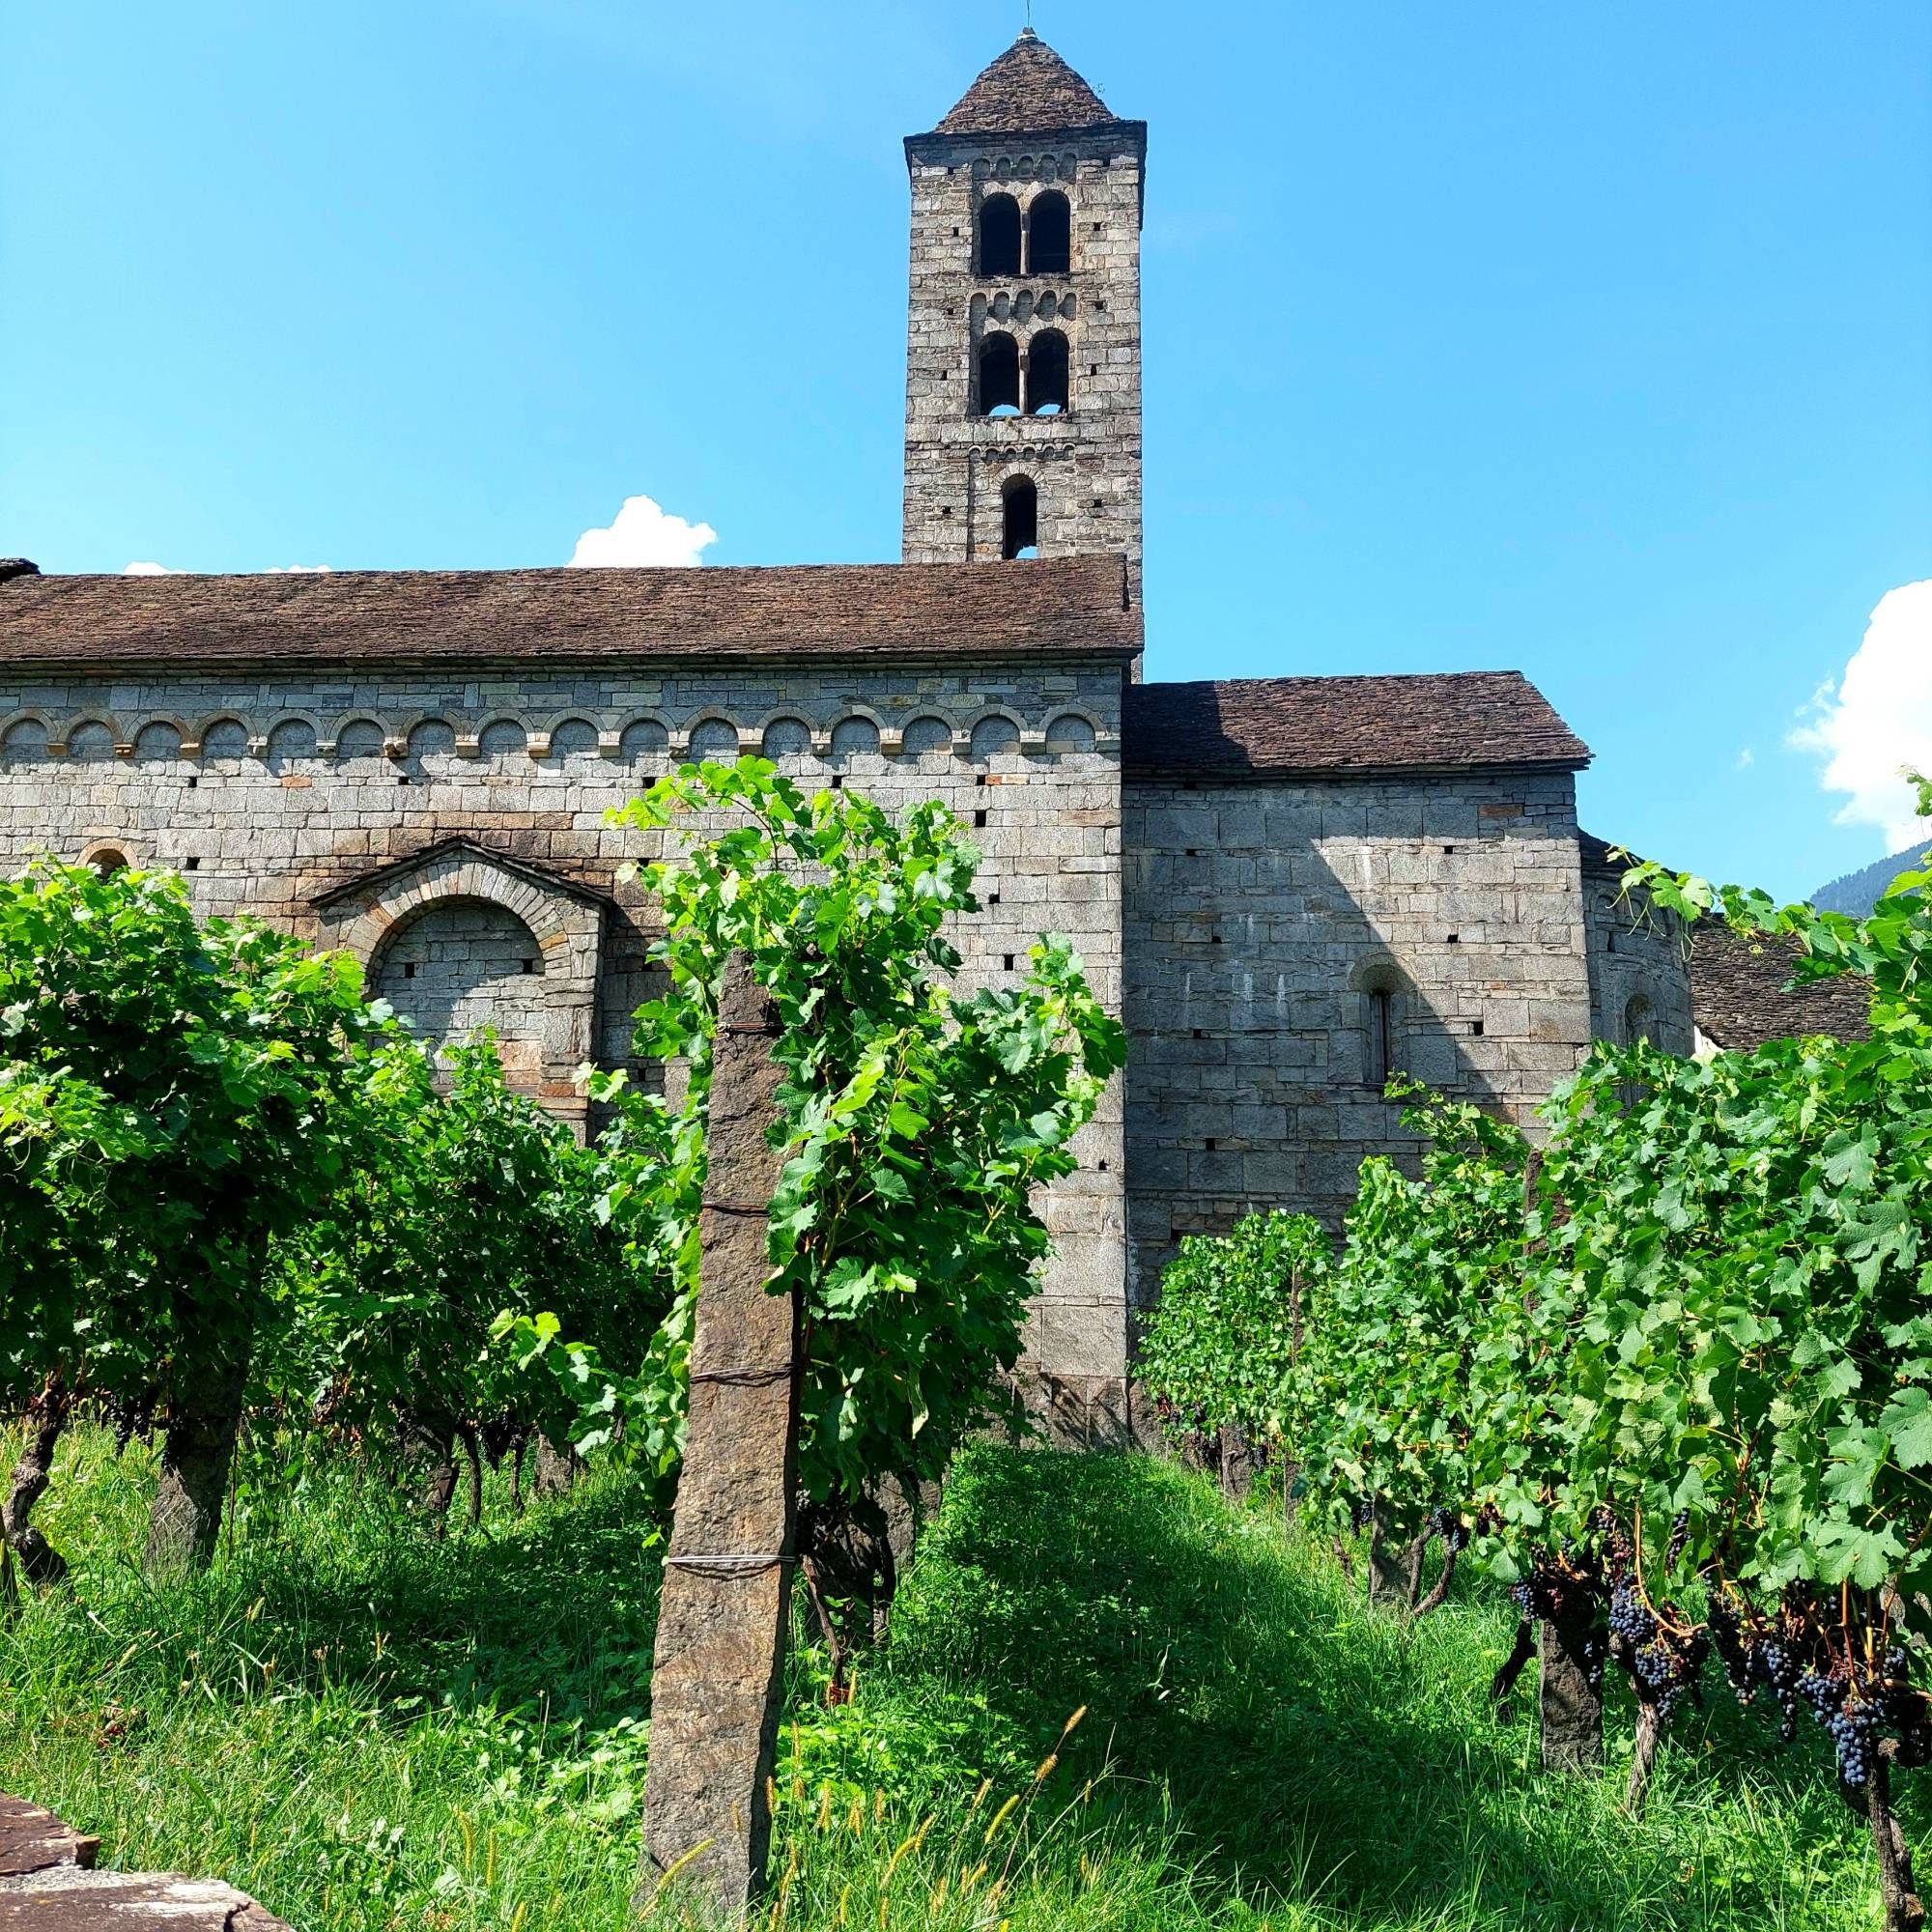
459, 937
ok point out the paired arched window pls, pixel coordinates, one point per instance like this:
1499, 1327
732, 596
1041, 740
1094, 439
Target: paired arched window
1020, 518
1049, 235
1039, 244
1047, 391
999, 236
999, 390
1047, 372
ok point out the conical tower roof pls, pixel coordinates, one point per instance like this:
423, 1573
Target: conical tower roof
1028, 90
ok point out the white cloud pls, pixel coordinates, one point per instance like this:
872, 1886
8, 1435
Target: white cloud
642, 532
1877, 718
274, 570
1745, 759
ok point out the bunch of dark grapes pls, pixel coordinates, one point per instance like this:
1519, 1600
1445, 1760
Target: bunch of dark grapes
1780, 1667
131, 1416
1360, 1513
1631, 1620
1854, 1730
1448, 1525
1680, 1535
1666, 1671
1735, 1652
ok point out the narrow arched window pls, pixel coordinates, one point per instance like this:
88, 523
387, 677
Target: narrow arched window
1640, 1021
1020, 518
999, 236
999, 377
1049, 235
1640, 1029
1046, 374
107, 859
1381, 1033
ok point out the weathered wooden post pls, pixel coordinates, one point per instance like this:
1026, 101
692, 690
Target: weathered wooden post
719, 1672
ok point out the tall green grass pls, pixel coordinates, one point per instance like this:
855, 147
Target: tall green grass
367, 1730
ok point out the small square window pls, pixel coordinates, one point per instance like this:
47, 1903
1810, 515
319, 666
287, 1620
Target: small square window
992, 899
1007, 960
1475, 1029
190, 865
408, 969
1211, 1144
528, 965
980, 817
1454, 938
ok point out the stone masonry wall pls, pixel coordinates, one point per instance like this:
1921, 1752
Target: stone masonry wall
1086, 464
1263, 920
272, 791
1639, 965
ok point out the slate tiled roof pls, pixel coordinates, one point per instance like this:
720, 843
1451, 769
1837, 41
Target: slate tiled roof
1738, 993
1072, 605
1029, 89
1249, 728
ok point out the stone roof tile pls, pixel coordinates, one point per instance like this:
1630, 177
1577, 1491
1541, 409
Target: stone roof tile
1029, 89
1252, 727
1058, 607
1739, 998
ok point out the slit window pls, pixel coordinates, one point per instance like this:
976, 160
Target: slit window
1047, 391
1049, 235
1382, 1037
998, 376
1020, 518
999, 236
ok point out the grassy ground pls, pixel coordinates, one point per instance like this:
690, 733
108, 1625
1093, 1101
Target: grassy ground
368, 1730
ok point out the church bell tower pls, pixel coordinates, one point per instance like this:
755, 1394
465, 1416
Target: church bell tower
1023, 351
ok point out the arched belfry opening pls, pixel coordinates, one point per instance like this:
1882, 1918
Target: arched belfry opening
1020, 518
999, 236
1049, 235
999, 383
1047, 387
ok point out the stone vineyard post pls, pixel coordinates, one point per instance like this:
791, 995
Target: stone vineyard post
718, 1671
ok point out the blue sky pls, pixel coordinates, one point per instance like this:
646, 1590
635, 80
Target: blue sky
1591, 340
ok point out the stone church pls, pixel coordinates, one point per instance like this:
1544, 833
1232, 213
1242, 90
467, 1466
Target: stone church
1289, 887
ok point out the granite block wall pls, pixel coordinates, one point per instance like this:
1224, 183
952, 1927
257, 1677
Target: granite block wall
449, 827
1283, 939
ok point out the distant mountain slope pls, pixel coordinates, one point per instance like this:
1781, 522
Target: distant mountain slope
1856, 893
